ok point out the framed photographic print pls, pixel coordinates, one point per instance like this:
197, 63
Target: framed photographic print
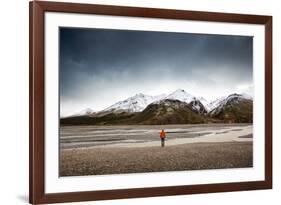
138, 102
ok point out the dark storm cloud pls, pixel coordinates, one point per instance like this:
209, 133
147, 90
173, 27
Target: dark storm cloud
95, 63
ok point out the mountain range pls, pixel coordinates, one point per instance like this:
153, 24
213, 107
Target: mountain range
179, 107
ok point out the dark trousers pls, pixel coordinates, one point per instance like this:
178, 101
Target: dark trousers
162, 142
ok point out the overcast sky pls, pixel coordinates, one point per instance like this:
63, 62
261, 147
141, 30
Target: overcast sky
99, 67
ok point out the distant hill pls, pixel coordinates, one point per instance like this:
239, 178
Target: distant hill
108, 119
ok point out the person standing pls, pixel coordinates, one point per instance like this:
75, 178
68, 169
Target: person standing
162, 137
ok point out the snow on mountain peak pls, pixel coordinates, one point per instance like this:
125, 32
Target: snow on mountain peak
220, 102
181, 95
239, 96
137, 103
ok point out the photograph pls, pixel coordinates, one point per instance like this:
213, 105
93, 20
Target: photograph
135, 101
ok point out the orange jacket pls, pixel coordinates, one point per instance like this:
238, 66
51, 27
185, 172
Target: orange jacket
162, 134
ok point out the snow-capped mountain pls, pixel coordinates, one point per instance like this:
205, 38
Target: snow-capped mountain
178, 107
224, 99
137, 103
235, 108
181, 95
198, 104
220, 103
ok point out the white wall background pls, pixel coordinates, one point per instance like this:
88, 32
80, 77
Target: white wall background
14, 100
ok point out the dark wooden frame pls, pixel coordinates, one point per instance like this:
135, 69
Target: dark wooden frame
37, 194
